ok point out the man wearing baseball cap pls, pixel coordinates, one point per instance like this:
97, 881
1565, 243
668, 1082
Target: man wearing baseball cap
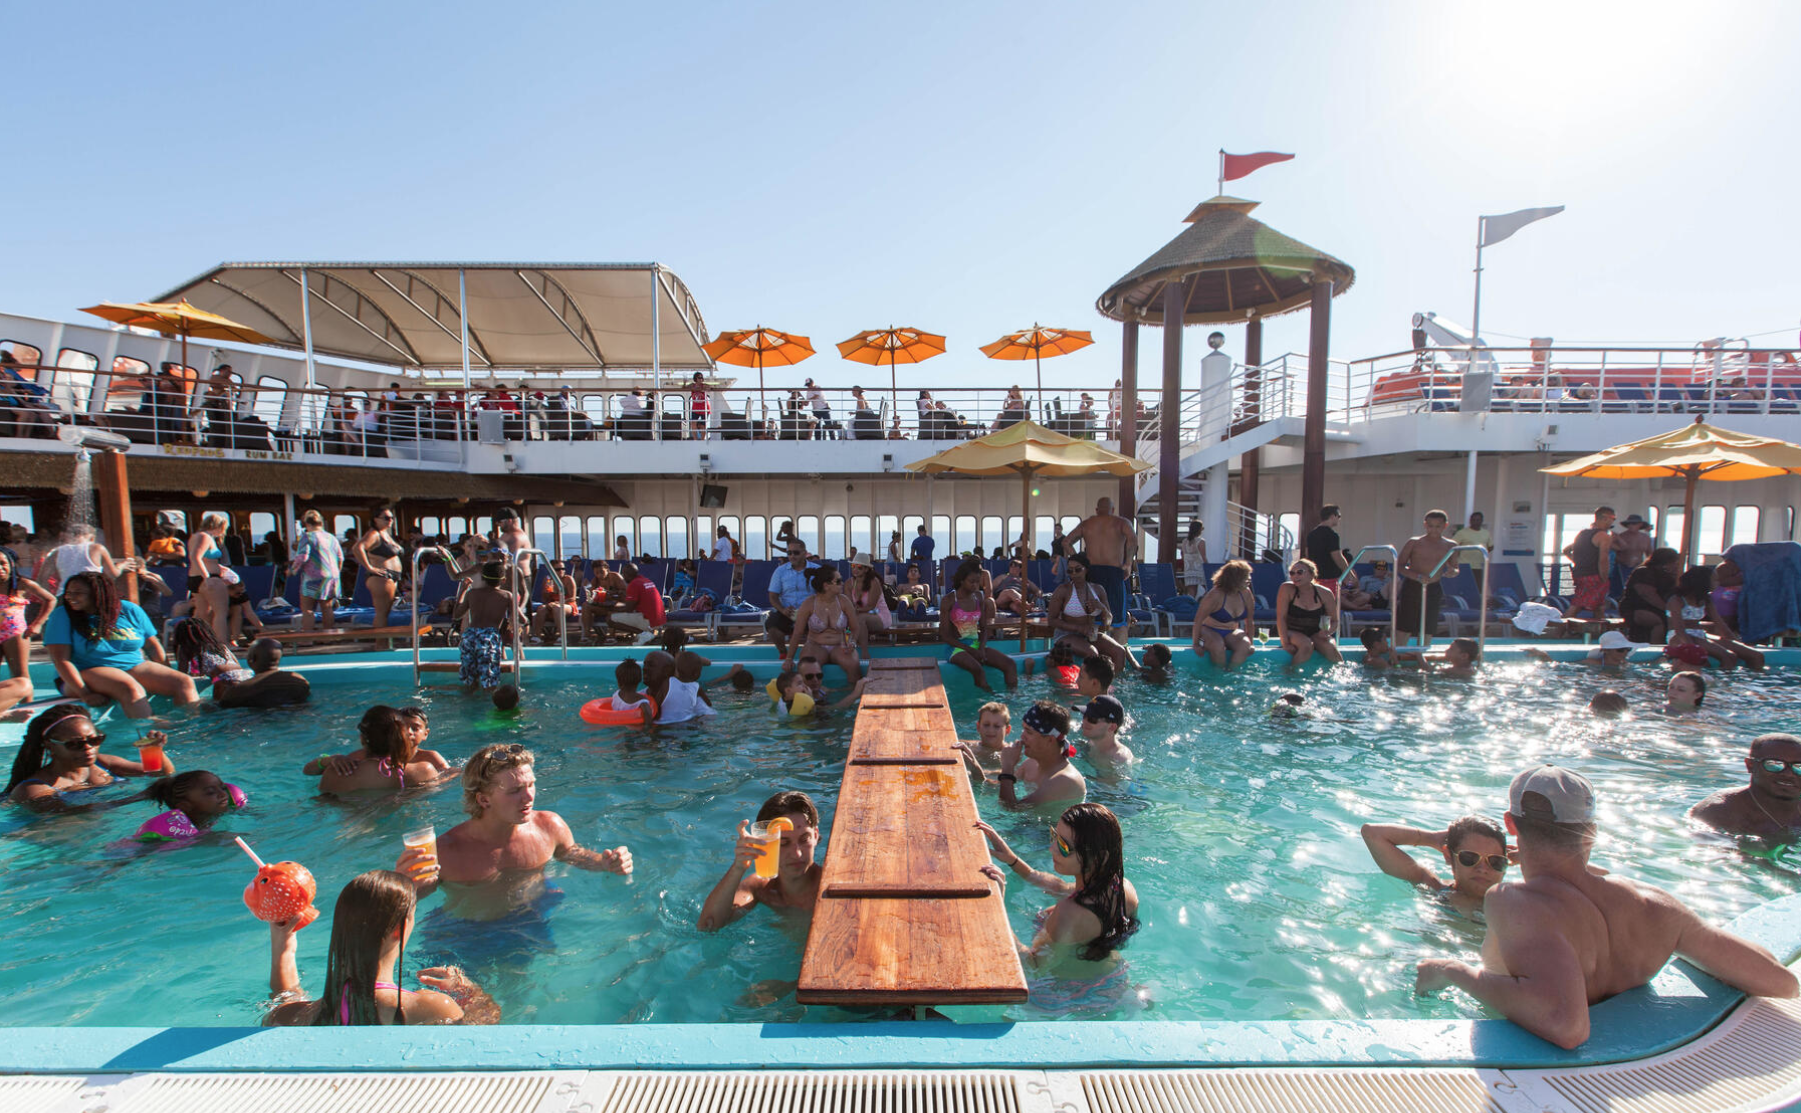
1563, 937
1102, 720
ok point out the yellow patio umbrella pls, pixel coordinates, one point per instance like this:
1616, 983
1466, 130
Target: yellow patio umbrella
1034, 344
759, 347
891, 346
177, 318
1032, 452
1694, 452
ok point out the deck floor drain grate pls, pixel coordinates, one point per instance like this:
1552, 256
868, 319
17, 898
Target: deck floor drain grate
36, 1095
814, 1092
339, 1093
1264, 1091
1739, 1066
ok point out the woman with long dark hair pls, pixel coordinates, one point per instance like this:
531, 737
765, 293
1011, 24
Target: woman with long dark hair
106, 649
829, 622
16, 630
61, 754
965, 621
1098, 911
369, 929
390, 758
379, 554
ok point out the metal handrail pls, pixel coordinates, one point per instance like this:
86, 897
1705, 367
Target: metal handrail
418, 581
1394, 562
1482, 602
513, 578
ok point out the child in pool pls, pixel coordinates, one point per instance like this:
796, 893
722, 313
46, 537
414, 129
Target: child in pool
1377, 652
390, 757
628, 674
791, 691
1154, 665
193, 801
1094, 679
200, 654
1289, 705
16, 594
1458, 660
994, 722
506, 697
1102, 721
1060, 665
1607, 704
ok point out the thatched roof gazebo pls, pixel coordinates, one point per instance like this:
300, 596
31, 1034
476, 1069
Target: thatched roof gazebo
1226, 267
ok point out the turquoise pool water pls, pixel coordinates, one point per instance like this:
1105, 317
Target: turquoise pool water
1259, 901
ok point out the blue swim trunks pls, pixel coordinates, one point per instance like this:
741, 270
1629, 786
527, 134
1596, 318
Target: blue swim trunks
1112, 581
480, 657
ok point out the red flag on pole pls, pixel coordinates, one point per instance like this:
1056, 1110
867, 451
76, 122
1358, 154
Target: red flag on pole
1233, 167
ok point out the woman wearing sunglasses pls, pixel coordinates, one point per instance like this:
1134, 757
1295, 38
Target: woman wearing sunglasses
61, 754
1306, 615
1474, 848
379, 554
1095, 913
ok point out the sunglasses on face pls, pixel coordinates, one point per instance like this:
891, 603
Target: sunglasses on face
94, 739
1777, 765
1469, 858
1063, 848
812, 676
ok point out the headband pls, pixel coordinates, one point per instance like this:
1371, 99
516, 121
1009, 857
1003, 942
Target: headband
1037, 720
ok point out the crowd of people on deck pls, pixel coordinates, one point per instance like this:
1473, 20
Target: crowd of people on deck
1558, 940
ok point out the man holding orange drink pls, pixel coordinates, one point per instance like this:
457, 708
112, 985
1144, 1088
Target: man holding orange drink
771, 865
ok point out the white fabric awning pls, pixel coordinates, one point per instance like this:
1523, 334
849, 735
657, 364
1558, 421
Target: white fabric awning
522, 316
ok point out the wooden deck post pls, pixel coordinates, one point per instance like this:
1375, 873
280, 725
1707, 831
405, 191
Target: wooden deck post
1128, 404
1169, 448
1251, 464
1313, 450
114, 488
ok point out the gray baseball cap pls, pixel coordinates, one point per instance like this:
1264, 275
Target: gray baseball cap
1548, 792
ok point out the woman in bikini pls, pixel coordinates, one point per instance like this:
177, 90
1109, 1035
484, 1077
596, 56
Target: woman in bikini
390, 759
369, 929
16, 594
965, 616
1096, 912
828, 619
1306, 615
208, 585
1222, 622
61, 755
379, 554
1079, 616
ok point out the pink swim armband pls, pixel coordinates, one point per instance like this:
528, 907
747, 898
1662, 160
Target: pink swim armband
238, 799
175, 826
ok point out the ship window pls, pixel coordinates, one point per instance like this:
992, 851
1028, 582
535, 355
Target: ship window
1710, 534
431, 527
807, 529
755, 538
261, 525
19, 514
73, 386
860, 537
885, 527
600, 546
941, 528
1788, 531
910, 530
346, 526
1652, 516
676, 530
835, 540
622, 528
961, 540
730, 522
455, 528
993, 533
544, 530
1071, 521
1745, 520
569, 536
25, 357
650, 537
125, 389
271, 398
1672, 529
484, 527
1016, 527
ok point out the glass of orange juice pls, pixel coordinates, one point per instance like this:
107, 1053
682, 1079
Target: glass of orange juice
770, 834
424, 839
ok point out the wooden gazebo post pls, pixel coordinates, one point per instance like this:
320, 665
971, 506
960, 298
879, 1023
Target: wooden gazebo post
1128, 403
1251, 463
1169, 446
1313, 439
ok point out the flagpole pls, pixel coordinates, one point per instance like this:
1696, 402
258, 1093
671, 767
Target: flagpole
1476, 311
1222, 171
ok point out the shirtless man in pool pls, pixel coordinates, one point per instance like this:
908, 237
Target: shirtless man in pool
493, 863
1563, 938
795, 887
1474, 848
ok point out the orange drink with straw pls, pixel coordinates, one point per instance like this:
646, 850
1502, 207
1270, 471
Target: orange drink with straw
769, 862
150, 752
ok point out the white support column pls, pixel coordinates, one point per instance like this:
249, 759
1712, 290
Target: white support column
1216, 420
306, 329
288, 531
463, 319
656, 352
1469, 486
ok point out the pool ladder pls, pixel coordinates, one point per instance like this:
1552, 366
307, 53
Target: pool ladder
1349, 576
520, 587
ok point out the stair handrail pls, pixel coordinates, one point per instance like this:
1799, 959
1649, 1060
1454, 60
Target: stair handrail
418, 581
1482, 608
520, 598
1345, 577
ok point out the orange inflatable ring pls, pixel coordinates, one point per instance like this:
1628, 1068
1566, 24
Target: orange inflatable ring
601, 713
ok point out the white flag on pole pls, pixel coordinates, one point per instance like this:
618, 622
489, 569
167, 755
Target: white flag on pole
1497, 228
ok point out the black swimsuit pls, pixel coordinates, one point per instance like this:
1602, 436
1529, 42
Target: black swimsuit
1302, 620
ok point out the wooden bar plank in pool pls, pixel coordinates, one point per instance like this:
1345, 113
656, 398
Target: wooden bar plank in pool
905, 916
905, 830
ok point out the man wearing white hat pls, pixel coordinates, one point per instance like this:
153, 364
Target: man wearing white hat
1563, 938
1609, 654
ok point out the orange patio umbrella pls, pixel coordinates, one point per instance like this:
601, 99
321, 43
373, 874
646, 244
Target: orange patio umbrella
1034, 344
891, 346
759, 347
172, 318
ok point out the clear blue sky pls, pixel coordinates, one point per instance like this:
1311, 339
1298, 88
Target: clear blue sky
967, 168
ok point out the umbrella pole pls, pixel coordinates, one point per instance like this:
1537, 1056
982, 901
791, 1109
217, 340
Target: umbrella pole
762, 403
1688, 515
1038, 369
196, 383
893, 385
1025, 526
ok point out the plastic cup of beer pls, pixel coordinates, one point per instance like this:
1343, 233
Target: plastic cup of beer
423, 839
770, 834
150, 755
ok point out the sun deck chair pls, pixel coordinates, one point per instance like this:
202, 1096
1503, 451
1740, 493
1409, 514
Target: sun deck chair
715, 578
754, 599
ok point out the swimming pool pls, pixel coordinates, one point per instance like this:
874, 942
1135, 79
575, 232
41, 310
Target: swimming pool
1260, 902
